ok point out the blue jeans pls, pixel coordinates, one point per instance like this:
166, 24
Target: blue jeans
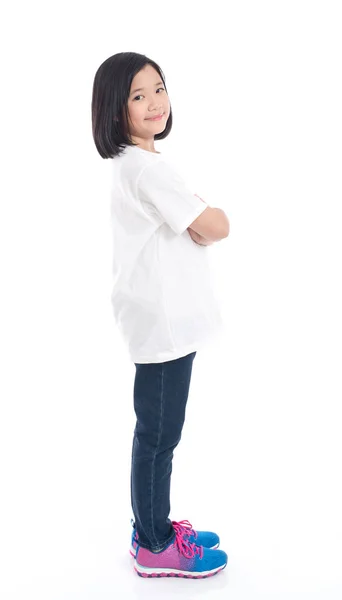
160, 396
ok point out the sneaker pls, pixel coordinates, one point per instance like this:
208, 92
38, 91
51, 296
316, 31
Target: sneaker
180, 559
208, 539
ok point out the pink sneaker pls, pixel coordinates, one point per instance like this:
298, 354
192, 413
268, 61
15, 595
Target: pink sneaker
208, 539
180, 559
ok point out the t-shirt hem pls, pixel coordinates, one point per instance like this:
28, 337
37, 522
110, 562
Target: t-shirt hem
166, 356
177, 353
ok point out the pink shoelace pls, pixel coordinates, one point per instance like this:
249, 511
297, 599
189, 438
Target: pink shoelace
188, 550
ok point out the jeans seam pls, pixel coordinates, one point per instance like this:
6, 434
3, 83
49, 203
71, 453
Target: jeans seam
157, 447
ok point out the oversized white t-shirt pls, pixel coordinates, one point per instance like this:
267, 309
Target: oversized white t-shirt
163, 299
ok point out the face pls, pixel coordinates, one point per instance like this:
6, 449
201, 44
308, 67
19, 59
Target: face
148, 102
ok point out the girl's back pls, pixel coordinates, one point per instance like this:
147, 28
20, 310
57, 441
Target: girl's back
162, 298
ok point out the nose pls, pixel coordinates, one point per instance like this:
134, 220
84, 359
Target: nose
155, 104
155, 107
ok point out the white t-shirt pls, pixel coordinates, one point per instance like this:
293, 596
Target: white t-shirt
163, 298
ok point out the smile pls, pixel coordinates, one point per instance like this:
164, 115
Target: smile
155, 118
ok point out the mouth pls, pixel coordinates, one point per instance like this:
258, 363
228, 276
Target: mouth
157, 118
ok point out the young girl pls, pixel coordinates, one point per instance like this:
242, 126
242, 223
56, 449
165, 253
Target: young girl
162, 300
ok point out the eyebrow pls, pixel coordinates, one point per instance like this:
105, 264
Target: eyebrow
141, 89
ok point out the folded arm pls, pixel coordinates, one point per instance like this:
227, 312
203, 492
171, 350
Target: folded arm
212, 225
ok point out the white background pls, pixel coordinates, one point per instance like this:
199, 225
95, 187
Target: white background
255, 89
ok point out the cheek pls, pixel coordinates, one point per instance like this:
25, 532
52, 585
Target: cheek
137, 112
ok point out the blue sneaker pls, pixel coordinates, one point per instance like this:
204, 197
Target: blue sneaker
208, 539
180, 558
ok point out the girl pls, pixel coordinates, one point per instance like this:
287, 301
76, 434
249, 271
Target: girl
162, 300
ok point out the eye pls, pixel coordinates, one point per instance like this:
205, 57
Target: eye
161, 88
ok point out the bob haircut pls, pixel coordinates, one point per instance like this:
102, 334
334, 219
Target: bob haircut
111, 87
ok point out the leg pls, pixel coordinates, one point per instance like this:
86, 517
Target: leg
160, 396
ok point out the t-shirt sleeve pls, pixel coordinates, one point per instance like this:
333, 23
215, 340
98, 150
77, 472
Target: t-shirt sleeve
164, 192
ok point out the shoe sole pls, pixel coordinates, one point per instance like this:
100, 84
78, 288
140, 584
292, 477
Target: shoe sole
150, 572
133, 552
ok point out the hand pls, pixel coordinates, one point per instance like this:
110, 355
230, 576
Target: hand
199, 239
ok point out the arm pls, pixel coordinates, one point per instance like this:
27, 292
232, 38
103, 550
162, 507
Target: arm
203, 238
199, 239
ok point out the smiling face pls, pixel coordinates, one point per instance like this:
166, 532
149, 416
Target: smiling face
148, 99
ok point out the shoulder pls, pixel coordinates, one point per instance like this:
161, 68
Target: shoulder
159, 171
134, 163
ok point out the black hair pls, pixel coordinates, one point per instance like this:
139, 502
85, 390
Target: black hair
112, 84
